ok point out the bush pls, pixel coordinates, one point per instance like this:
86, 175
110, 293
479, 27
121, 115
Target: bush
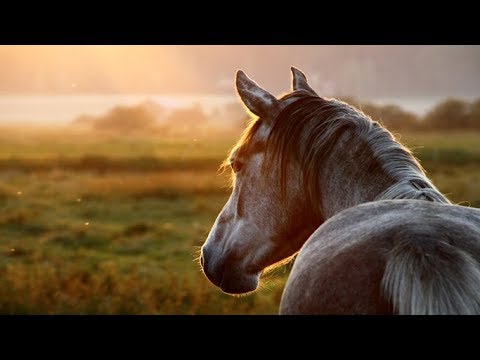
392, 116
449, 114
123, 119
474, 115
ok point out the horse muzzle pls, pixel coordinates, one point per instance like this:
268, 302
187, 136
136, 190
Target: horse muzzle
227, 274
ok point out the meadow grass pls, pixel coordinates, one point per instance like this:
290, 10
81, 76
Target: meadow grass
80, 237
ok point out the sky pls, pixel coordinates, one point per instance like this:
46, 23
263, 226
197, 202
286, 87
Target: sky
334, 70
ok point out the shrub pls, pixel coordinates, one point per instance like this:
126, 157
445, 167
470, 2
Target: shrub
392, 116
124, 119
449, 114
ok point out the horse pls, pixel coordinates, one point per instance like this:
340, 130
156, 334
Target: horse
316, 180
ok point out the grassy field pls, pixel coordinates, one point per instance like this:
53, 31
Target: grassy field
112, 225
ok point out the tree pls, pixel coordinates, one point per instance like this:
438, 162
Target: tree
474, 115
124, 119
449, 114
392, 116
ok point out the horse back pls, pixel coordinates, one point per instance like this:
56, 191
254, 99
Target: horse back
339, 269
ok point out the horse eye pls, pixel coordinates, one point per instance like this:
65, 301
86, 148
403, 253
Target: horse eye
236, 165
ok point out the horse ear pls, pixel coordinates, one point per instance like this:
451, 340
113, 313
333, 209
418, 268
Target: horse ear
300, 82
257, 100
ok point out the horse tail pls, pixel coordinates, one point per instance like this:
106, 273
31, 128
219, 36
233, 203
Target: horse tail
432, 278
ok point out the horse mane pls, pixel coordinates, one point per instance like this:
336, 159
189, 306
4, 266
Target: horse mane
310, 127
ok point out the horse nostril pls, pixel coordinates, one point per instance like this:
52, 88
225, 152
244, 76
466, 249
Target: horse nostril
201, 260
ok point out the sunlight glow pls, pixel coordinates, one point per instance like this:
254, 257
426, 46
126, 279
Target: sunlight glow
94, 69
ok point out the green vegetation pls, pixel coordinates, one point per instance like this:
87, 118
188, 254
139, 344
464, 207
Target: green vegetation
110, 224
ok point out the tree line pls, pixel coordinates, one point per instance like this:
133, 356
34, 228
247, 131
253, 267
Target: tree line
449, 114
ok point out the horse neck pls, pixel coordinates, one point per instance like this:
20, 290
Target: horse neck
355, 172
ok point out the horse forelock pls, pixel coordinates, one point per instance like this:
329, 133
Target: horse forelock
241, 144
